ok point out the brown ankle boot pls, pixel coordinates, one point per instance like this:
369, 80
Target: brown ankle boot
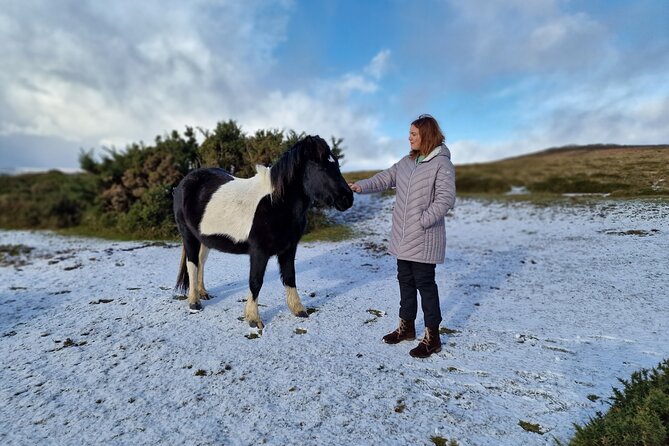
431, 343
405, 332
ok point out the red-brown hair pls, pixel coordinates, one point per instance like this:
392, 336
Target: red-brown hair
430, 133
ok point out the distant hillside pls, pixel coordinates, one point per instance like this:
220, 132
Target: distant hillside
589, 148
626, 171
617, 170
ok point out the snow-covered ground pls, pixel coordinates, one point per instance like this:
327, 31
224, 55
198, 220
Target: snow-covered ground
549, 306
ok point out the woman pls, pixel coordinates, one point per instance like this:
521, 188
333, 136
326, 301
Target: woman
425, 191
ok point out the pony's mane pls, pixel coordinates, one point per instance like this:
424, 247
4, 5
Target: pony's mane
288, 166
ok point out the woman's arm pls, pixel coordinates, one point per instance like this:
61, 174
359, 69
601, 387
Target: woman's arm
444, 196
379, 182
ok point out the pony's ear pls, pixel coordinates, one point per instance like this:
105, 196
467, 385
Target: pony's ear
319, 148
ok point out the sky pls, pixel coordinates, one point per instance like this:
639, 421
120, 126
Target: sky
503, 78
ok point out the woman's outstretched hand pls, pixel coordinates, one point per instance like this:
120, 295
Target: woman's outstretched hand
355, 188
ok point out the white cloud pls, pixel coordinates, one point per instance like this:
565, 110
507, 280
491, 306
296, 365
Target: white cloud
635, 113
517, 37
379, 65
109, 76
351, 83
91, 74
130, 71
325, 108
561, 75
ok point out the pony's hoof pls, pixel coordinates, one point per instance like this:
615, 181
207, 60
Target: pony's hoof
205, 296
257, 324
302, 314
195, 308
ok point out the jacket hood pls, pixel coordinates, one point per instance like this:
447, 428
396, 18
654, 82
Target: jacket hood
442, 150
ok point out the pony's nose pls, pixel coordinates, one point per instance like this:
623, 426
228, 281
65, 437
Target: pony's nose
345, 201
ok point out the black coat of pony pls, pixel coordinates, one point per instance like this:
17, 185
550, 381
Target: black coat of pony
262, 216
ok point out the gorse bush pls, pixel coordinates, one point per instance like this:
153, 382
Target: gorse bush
150, 212
47, 200
638, 416
130, 192
135, 186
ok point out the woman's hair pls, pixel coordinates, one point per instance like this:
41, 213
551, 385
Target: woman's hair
431, 135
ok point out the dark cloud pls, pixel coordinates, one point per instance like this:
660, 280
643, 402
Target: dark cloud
37, 152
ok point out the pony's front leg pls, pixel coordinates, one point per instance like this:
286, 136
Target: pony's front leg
256, 276
287, 268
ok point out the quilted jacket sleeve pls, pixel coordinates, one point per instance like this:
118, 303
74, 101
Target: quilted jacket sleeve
444, 195
379, 182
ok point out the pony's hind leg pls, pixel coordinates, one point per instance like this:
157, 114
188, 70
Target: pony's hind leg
256, 276
202, 258
287, 269
192, 247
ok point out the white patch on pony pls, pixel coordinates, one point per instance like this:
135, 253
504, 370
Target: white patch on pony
294, 302
193, 297
232, 207
251, 311
331, 159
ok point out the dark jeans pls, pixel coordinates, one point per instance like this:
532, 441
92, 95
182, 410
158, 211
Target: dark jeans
414, 277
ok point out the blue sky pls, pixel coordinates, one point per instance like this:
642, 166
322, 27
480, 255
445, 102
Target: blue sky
502, 77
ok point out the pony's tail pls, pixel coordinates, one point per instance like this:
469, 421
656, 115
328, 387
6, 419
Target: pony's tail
182, 278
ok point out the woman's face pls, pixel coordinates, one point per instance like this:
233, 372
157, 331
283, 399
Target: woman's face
414, 137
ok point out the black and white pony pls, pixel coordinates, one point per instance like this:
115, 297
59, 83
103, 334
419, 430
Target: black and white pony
260, 216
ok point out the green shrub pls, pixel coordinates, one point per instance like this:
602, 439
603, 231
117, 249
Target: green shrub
151, 216
638, 416
472, 183
45, 200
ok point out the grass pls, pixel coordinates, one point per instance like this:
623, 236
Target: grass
623, 171
110, 233
327, 233
352, 177
14, 255
441, 441
531, 427
447, 331
15, 250
331, 233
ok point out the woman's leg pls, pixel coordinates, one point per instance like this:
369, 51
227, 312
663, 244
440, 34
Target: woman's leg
408, 305
429, 293
408, 291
